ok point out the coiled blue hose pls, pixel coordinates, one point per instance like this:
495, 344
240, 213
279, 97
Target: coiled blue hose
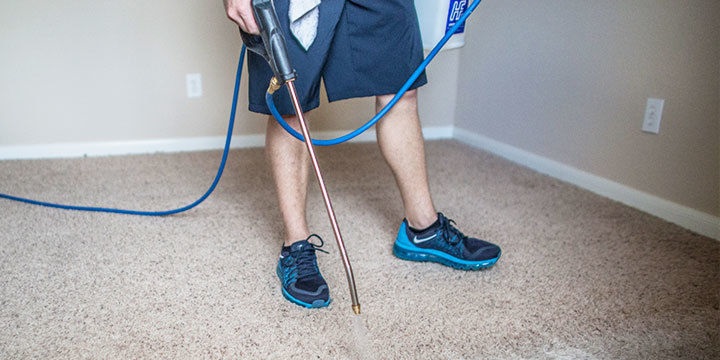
278, 118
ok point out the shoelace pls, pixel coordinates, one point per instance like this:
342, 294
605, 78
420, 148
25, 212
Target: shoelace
449, 232
305, 262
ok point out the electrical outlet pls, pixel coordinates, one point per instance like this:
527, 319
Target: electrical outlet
193, 83
653, 115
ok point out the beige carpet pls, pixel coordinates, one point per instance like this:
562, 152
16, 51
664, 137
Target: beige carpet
581, 277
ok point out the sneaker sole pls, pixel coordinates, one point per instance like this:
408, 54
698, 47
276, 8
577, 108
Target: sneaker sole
435, 256
319, 303
315, 304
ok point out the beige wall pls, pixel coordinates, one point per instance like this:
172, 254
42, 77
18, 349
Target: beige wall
89, 71
76, 71
568, 80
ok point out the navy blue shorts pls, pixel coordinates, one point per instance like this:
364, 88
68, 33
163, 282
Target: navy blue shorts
363, 48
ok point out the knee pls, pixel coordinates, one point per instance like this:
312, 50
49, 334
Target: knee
273, 124
409, 97
291, 120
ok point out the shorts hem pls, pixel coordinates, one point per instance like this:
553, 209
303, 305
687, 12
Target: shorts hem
338, 95
263, 109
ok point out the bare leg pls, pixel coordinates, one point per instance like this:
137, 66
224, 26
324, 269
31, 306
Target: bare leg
401, 143
290, 164
297, 268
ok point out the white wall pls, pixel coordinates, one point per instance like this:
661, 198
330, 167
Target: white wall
567, 80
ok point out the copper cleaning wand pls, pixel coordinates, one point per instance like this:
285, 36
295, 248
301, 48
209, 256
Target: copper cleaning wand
271, 45
326, 198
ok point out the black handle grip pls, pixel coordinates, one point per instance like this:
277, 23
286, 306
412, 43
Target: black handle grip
270, 44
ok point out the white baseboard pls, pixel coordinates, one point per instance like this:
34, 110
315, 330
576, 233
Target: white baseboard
114, 148
688, 218
691, 219
438, 132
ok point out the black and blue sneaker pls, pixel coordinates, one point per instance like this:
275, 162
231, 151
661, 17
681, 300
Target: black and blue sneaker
298, 271
443, 243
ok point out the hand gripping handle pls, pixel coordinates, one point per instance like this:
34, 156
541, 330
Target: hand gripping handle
270, 44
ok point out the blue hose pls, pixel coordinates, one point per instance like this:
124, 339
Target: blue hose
197, 202
384, 110
278, 117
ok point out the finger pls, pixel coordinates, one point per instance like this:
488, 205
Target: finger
244, 18
248, 24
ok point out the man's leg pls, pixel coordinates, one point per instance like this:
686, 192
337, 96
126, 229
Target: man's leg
297, 267
424, 235
401, 142
289, 162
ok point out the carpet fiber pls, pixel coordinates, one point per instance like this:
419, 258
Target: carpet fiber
581, 276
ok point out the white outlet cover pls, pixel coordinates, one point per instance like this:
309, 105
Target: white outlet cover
193, 84
653, 115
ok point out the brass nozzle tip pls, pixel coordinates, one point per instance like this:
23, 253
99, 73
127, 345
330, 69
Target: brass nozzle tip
274, 85
356, 309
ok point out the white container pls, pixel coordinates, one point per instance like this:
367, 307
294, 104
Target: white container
436, 17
